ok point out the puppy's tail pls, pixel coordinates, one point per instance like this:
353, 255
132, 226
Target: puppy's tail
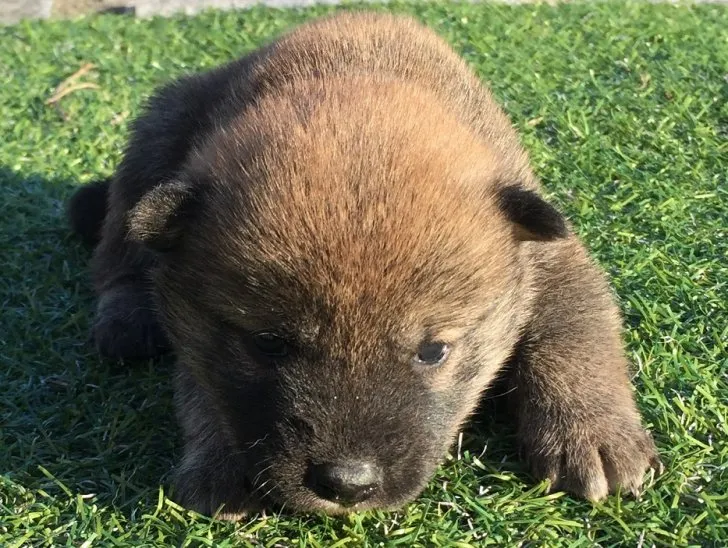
87, 209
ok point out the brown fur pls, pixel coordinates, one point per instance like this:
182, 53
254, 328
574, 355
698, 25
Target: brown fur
356, 188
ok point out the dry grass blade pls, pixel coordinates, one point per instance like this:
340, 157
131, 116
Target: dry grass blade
69, 85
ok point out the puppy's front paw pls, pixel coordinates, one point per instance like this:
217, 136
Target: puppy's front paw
205, 496
212, 486
591, 457
126, 325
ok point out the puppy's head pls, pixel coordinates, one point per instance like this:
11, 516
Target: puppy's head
340, 271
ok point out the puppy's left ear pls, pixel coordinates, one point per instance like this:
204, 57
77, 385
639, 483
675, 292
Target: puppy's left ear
160, 218
533, 217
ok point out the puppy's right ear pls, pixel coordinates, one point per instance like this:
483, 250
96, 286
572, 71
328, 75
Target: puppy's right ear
533, 217
159, 219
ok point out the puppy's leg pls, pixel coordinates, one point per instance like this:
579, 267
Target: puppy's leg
126, 324
578, 424
211, 475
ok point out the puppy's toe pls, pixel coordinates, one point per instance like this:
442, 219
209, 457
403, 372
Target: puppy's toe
574, 468
583, 473
546, 467
626, 461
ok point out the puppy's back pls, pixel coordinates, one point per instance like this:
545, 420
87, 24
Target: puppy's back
386, 47
382, 47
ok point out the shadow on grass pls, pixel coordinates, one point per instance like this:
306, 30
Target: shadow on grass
491, 435
70, 421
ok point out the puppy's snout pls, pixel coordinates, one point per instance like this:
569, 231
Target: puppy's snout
346, 483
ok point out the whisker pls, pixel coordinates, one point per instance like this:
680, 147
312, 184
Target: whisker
260, 487
268, 492
259, 474
256, 442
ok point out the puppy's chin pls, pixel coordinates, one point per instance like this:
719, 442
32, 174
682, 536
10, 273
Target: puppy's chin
314, 505
299, 503
310, 504
301, 500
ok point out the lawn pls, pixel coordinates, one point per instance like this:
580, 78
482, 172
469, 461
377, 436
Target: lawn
624, 108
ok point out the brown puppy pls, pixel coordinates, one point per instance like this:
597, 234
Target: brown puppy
342, 240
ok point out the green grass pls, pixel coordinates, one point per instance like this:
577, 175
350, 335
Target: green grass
624, 108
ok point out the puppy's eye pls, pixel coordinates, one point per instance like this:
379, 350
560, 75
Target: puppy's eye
271, 344
432, 353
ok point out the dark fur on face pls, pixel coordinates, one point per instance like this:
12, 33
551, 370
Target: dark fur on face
344, 244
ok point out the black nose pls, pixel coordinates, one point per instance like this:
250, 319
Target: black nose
346, 483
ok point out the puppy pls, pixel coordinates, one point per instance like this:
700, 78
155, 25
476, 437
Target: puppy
341, 239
